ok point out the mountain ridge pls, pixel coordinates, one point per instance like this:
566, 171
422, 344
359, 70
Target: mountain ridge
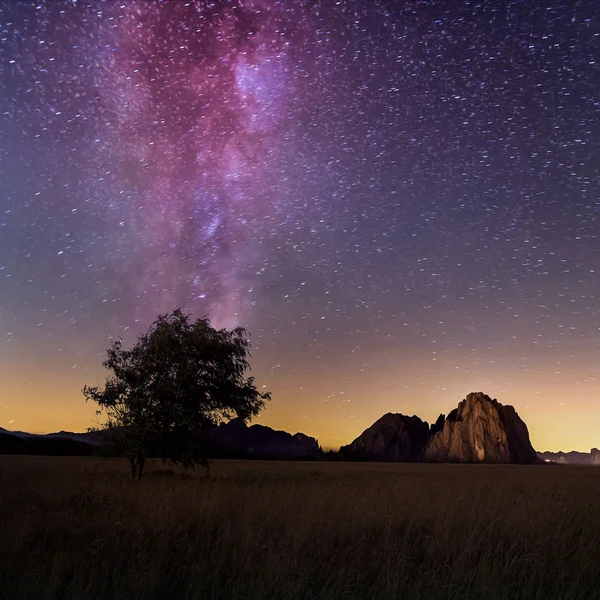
479, 429
233, 439
573, 457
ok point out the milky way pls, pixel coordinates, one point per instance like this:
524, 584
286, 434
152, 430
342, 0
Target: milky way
400, 201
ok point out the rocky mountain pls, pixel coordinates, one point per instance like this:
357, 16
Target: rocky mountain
479, 430
572, 458
394, 437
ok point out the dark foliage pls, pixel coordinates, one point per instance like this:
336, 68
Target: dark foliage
180, 379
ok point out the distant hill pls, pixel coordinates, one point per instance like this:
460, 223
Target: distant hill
87, 437
236, 440
19, 442
572, 458
229, 440
479, 430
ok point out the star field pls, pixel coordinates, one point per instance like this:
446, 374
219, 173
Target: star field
400, 200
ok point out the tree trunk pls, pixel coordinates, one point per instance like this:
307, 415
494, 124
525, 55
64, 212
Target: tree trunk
141, 461
137, 464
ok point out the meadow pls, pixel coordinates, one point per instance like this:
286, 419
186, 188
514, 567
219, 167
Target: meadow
78, 528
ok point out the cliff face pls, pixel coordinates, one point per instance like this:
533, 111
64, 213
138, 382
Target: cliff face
481, 430
394, 437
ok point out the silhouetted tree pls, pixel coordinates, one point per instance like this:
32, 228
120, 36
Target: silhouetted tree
180, 378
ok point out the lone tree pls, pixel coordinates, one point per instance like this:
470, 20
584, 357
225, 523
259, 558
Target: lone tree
180, 378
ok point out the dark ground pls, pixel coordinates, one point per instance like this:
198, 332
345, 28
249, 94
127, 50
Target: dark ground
74, 528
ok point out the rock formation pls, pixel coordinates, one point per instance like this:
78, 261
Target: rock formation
481, 430
394, 437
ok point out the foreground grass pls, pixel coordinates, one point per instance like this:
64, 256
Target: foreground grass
78, 528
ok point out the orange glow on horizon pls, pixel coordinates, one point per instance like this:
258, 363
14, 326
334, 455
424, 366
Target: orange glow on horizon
302, 404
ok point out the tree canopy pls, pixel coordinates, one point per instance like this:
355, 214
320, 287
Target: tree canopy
180, 378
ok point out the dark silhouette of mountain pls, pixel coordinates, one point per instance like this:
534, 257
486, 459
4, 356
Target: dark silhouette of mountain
236, 440
572, 458
92, 438
229, 440
16, 433
24, 443
479, 430
394, 437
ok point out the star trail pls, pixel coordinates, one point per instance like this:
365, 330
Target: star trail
400, 200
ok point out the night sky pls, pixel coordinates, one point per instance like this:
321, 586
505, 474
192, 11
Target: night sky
399, 199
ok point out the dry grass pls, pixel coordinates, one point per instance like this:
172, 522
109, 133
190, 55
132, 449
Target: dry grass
79, 529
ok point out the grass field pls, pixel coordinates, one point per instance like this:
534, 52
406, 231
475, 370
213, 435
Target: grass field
74, 528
